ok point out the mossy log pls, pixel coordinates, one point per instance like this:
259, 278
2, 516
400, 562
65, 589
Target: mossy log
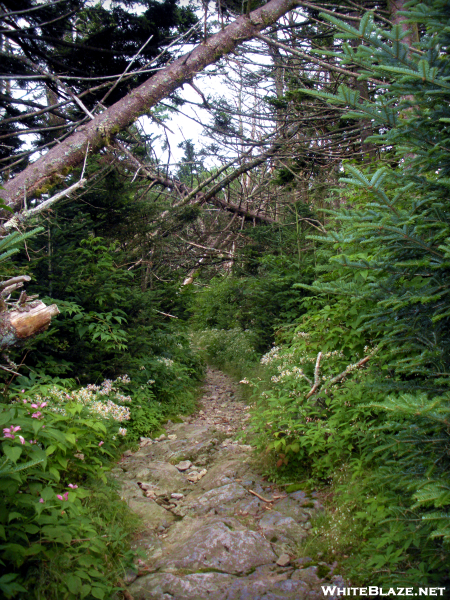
24, 322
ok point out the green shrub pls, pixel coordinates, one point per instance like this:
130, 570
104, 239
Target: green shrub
230, 349
259, 303
51, 448
311, 407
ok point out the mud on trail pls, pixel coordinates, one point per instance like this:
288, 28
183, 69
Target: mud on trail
213, 528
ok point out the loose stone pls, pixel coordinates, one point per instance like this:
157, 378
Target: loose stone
183, 465
284, 560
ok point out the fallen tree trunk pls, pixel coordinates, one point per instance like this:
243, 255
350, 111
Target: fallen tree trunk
98, 132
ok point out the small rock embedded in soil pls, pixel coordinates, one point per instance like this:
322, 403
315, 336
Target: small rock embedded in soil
183, 465
145, 441
196, 476
284, 560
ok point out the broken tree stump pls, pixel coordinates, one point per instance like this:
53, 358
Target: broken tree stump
25, 322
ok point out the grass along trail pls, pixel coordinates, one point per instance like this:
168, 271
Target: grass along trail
212, 526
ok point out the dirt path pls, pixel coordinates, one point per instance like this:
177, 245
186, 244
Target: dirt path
213, 528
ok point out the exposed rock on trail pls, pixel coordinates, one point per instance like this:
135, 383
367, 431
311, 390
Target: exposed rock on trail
213, 527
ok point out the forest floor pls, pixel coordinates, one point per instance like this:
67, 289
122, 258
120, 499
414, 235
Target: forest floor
212, 526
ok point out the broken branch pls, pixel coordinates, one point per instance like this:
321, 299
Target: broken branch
260, 497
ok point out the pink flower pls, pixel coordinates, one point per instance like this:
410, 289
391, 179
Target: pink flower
23, 391
41, 500
59, 497
73, 486
39, 405
66, 495
9, 432
33, 441
36, 415
24, 401
101, 443
22, 439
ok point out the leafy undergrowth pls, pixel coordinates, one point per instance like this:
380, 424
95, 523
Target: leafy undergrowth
114, 527
53, 536
357, 531
231, 350
316, 409
64, 532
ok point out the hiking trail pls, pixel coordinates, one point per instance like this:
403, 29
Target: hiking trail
213, 528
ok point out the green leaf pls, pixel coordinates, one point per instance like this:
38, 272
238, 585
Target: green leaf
12, 452
70, 437
85, 590
31, 528
50, 449
47, 493
55, 473
74, 584
13, 516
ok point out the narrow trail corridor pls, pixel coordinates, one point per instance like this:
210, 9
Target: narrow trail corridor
213, 528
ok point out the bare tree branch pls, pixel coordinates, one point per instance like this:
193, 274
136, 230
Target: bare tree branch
24, 215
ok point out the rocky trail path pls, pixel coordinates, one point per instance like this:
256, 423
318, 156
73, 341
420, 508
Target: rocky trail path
213, 528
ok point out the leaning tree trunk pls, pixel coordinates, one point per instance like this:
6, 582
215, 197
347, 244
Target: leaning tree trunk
23, 319
98, 132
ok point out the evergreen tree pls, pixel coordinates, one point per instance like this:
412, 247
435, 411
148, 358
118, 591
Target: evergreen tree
392, 249
44, 49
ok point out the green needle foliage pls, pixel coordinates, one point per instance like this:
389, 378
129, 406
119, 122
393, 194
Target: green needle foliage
399, 218
382, 292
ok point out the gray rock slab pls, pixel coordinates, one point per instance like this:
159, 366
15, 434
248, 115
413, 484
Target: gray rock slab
147, 544
299, 496
284, 560
196, 586
270, 582
225, 469
249, 506
267, 589
216, 546
222, 499
181, 531
162, 474
152, 514
290, 507
130, 489
183, 465
193, 432
274, 523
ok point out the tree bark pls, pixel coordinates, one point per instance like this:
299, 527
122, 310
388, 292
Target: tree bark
395, 7
97, 133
